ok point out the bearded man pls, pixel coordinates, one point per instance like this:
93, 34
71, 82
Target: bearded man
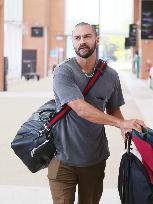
82, 147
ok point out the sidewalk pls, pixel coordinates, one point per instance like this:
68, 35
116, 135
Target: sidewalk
17, 184
142, 95
41, 195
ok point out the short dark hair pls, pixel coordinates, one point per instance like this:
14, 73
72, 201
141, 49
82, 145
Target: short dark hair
84, 24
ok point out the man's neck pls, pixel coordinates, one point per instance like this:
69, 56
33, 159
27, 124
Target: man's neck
88, 64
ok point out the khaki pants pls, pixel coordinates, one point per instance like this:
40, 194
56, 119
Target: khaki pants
63, 180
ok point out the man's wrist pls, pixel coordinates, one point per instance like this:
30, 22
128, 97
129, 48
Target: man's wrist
119, 123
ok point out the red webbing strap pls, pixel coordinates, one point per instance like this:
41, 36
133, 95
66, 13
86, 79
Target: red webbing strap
101, 64
61, 113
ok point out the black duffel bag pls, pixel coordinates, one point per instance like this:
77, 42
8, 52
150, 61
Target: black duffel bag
34, 142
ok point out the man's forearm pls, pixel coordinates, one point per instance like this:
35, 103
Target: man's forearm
92, 114
114, 118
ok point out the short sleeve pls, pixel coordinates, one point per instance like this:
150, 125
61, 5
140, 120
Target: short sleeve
116, 100
65, 88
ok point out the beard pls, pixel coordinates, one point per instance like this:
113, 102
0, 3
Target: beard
86, 54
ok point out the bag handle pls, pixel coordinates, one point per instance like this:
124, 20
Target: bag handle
98, 72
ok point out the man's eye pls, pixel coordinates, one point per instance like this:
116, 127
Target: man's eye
77, 38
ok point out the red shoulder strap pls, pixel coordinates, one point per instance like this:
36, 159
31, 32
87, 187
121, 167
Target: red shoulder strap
98, 72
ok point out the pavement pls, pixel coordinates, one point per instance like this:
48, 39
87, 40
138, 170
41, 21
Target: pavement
17, 184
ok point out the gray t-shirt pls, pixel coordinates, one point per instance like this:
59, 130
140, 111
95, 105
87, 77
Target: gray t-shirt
78, 141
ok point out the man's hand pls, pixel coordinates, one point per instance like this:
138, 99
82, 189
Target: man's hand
128, 125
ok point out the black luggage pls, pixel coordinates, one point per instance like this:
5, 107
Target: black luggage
134, 184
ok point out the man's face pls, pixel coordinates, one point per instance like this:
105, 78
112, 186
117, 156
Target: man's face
84, 41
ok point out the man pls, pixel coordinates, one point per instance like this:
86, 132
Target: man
82, 148
151, 77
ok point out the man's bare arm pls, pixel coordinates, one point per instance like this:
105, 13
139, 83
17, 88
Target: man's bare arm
93, 114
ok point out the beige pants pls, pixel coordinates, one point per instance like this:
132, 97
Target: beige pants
63, 180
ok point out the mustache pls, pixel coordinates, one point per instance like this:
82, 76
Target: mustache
83, 46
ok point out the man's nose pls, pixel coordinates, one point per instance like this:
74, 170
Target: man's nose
82, 40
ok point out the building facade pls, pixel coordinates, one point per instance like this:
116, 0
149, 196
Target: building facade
43, 35
34, 39
143, 46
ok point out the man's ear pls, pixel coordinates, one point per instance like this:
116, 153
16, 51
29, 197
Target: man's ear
97, 40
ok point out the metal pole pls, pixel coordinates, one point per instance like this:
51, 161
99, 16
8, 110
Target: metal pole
99, 3
1, 45
45, 51
99, 13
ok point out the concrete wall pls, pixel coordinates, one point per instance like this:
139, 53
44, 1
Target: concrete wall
1, 45
13, 36
13, 50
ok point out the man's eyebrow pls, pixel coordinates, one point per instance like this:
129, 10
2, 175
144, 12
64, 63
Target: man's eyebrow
86, 34
76, 35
